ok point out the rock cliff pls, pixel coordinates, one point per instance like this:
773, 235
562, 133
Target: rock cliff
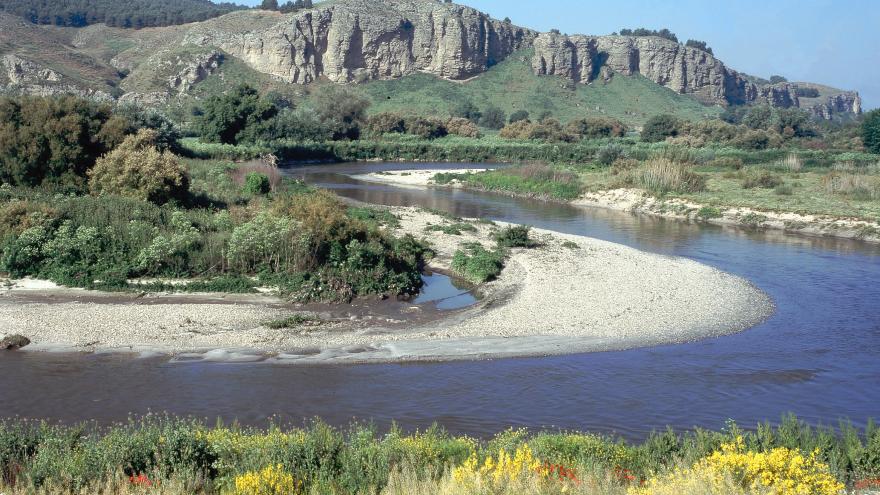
358, 40
682, 69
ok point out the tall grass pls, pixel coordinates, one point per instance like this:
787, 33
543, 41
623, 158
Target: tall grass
661, 175
852, 185
531, 179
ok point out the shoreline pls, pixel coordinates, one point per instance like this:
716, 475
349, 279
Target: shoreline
639, 201
572, 294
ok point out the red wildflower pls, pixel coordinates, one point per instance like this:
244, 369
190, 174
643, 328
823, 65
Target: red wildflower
867, 484
141, 480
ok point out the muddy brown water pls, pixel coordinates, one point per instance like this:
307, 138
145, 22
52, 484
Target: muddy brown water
816, 356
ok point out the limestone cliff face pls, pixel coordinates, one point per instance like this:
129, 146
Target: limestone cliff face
682, 69
357, 40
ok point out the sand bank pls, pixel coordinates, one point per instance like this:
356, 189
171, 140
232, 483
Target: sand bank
570, 294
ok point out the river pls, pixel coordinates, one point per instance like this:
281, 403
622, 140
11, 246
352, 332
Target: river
815, 357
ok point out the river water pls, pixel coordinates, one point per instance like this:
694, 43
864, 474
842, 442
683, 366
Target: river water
817, 356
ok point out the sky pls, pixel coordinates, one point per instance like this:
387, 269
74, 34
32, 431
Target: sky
836, 43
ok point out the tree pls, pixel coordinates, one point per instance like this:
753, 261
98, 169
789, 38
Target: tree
777, 79
699, 45
493, 118
342, 109
759, 117
137, 169
269, 5
518, 115
660, 127
467, 110
596, 127
239, 115
128, 14
794, 122
871, 131
54, 140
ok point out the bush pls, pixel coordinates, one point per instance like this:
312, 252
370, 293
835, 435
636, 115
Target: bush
462, 127
54, 140
467, 110
763, 179
137, 169
476, 264
758, 140
660, 127
871, 131
386, 123
514, 236
661, 176
341, 109
609, 153
596, 127
493, 118
256, 183
518, 116
699, 45
425, 128
237, 116
296, 125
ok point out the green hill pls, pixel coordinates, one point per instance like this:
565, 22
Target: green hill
512, 85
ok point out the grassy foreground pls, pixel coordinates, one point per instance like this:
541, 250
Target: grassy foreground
157, 454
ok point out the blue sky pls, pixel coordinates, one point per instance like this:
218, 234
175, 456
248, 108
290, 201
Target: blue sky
830, 42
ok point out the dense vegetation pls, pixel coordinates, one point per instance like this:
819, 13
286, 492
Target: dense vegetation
127, 14
152, 214
871, 131
186, 456
661, 33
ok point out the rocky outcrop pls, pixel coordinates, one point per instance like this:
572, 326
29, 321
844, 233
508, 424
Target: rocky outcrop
848, 102
680, 68
358, 40
22, 72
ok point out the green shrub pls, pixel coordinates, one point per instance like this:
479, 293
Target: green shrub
54, 140
293, 321
237, 116
609, 153
518, 116
451, 229
762, 178
493, 118
783, 190
708, 213
256, 183
477, 264
871, 131
660, 127
137, 169
425, 128
596, 127
514, 236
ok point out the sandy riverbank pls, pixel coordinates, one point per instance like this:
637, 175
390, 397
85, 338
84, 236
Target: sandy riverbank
571, 294
639, 201
413, 178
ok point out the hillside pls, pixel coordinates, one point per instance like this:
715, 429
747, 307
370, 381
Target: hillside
128, 14
409, 50
511, 86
